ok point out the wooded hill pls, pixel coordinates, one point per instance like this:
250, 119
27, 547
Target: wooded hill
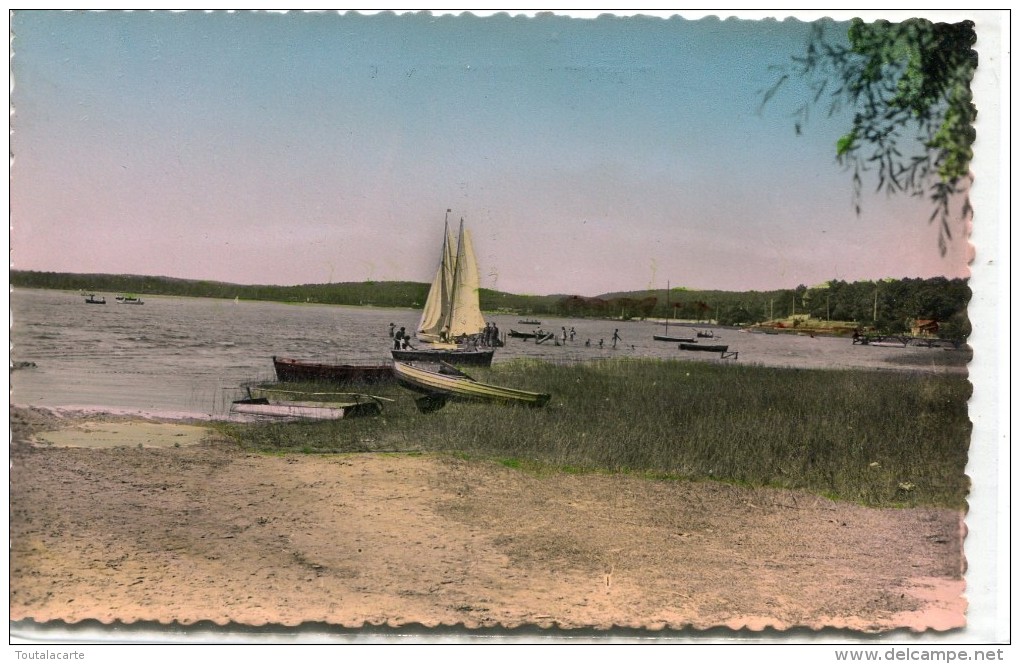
889, 305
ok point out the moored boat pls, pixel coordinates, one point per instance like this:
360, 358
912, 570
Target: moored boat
452, 313
663, 337
457, 356
291, 370
445, 381
92, 299
522, 335
711, 348
530, 322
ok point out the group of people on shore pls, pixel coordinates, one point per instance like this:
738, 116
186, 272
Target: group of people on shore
489, 337
401, 339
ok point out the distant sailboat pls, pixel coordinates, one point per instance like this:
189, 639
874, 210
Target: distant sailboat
452, 310
666, 337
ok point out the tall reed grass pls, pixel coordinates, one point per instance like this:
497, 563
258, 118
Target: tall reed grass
874, 437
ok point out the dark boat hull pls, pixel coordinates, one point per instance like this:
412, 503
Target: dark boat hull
471, 358
522, 335
291, 371
704, 347
662, 337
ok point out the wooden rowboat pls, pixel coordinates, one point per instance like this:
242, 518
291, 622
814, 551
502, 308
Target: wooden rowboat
290, 370
522, 335
305, 410
444, 381
662, 337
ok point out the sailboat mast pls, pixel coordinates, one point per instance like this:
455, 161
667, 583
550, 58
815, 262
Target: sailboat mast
448, 318
667, 307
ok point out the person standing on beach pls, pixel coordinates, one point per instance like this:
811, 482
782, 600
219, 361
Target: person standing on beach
393, 327
616, 337
563, 334
572, 333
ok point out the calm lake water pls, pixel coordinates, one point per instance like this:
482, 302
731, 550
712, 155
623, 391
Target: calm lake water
187, 357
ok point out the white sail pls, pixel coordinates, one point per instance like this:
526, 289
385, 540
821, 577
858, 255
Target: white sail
436, 313
465, 311
452, 305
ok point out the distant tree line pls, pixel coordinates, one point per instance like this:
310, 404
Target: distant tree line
889, 306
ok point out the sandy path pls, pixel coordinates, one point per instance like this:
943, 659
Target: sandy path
208, 532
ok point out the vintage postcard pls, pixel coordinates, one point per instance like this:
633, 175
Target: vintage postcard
536, 326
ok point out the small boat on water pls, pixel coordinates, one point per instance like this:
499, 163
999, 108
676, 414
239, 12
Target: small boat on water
92, 299
442, 381
522, 335
706, 335
666, 336
711, 348
129, 299
291, 370
307, 410
529, 322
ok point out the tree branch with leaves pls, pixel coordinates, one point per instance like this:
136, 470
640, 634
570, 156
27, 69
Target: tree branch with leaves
908, 85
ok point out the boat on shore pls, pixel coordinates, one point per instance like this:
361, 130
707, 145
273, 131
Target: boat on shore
522, 335
711, 348
289, 370
262, 407
442, 381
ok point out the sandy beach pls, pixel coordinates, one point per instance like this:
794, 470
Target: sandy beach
122, 520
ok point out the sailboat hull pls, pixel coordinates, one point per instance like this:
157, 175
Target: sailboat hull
472, 358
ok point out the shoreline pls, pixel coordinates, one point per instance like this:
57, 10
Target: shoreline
210, 532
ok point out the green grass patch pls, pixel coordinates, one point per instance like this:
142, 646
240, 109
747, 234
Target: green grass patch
873, 437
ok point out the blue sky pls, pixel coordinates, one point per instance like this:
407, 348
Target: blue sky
586, 155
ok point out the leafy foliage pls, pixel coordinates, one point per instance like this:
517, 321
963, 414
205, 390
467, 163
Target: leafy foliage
909, 87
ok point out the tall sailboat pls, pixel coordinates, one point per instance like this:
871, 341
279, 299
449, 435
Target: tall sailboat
452, 309
666, 337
